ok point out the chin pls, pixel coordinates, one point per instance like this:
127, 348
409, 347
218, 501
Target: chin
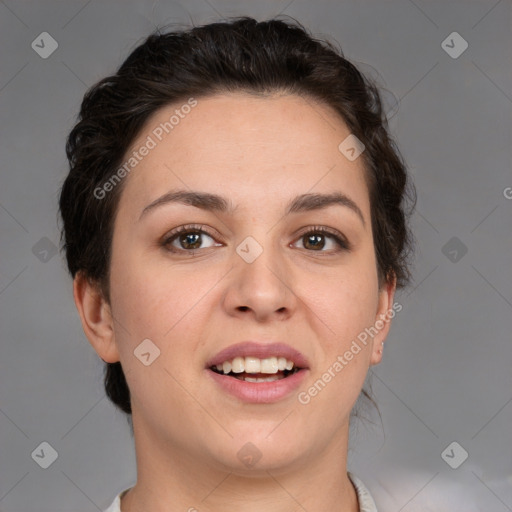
256, 454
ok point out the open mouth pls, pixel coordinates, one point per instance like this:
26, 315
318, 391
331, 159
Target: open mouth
257, 377
260, 380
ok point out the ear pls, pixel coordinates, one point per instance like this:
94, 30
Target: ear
385, 312
96, 317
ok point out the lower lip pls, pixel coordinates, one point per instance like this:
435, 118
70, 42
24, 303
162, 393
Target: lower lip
259, 392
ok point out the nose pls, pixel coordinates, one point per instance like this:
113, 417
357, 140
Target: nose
261, 288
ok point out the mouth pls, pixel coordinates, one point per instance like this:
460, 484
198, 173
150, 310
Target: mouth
253, 369
258, 373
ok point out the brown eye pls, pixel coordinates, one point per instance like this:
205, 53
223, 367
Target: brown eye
314, 241
187, 239
318, 239
190, 240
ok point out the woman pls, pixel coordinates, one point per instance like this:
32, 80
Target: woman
234, 223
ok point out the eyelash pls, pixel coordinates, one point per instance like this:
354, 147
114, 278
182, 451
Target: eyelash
341, 241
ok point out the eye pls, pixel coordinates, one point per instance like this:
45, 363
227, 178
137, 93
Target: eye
314, 240
188, 239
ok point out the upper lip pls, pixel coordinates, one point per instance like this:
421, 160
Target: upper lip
261, 350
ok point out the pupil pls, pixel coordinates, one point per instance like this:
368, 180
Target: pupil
312, 238
185, 239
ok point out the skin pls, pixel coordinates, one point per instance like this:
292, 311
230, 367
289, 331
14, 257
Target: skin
259, 153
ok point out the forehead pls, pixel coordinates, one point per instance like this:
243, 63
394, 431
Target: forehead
246, 146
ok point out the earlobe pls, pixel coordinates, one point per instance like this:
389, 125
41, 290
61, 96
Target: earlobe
385, 313
96, 318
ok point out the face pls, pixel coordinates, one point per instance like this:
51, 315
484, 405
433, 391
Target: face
251, 271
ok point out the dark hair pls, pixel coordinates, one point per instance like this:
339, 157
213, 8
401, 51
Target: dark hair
240, 54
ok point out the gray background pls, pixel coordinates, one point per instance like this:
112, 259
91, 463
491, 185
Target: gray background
446, 374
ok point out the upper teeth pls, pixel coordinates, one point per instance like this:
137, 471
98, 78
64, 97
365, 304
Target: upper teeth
255, 365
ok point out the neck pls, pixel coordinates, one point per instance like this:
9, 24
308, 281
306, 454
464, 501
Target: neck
171, 480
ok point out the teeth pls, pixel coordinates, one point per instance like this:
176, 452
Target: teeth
270, 365
237, 365
266, 379
252, 365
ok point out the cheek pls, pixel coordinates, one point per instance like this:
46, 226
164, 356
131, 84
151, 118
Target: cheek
162, 304
139, 290
346, 305
161, 301
345, 299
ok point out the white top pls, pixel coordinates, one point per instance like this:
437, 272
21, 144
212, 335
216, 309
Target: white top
366, 503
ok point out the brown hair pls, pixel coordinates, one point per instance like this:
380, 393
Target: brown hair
240, 54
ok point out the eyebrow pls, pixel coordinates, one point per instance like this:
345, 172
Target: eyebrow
216, 203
